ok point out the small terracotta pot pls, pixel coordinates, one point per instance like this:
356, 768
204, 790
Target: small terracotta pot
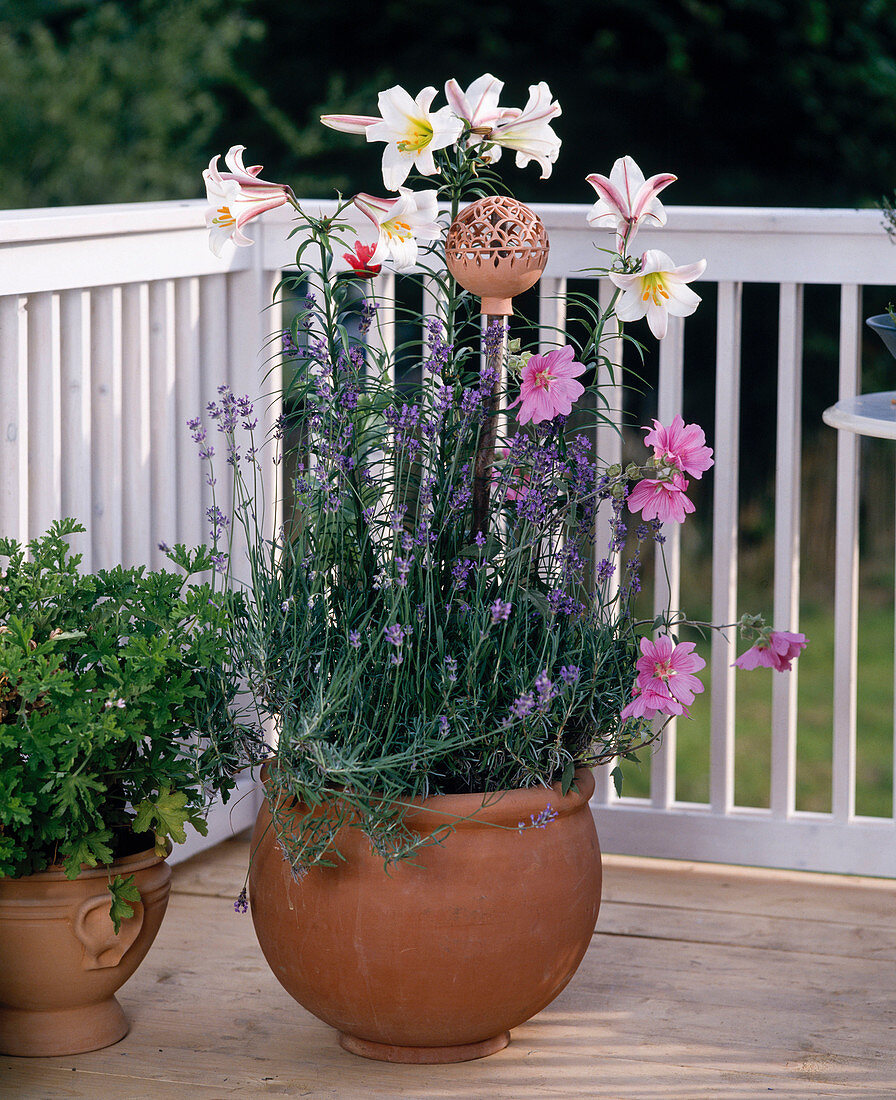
437, 958
60, 960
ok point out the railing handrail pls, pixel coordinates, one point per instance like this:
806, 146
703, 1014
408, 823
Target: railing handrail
141, 241
101, 218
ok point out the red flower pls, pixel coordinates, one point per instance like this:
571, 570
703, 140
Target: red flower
359, 261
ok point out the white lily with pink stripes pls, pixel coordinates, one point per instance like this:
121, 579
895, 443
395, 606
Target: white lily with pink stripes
627, 199
236, 197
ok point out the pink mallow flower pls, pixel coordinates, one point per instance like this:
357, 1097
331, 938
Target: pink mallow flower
647, 703
666, 681
680, 445
549, 386
777, 651
661, 498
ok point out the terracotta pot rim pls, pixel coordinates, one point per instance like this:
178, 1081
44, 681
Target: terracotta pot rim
506, 807
55, 873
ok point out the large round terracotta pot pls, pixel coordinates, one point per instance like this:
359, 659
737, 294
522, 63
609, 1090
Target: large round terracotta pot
438, 957
61, 961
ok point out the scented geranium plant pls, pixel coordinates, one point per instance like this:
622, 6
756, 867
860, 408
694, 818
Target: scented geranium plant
105, 680
432, 615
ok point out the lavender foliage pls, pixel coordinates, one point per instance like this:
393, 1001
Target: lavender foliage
399, 649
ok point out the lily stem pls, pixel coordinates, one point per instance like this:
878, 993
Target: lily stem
485, 448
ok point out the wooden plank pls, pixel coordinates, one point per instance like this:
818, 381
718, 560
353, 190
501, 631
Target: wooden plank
810, 935
44, 413
513, 1074
787, 541
106, 427
75, 393
690, 1013
136, 411
162, 421
222, 876
189, 404
846, 579
741, 244
13, 418
608, 448
551, 314
749, 890
667, 563
724, 545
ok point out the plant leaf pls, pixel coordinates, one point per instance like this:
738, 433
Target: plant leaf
123, 891
166, 816
91, 848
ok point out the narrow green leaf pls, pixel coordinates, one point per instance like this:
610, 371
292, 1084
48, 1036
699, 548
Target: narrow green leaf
568, 775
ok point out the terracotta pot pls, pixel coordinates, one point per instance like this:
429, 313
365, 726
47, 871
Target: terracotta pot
438, 958
60, 960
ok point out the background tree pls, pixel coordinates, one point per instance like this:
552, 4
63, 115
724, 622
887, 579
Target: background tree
752, 102
113, 102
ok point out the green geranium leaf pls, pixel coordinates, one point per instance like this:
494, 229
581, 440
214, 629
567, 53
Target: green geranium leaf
93, 848
123, 891
73, 793
165, 816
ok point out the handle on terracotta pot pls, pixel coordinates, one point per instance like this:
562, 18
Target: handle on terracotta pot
93, 927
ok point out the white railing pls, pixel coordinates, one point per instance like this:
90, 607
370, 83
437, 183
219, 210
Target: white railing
117, 324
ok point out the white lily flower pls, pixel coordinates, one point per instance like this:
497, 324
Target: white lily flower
627, 199
412, 133
236, 197
401, 223
528, 131
657, 291
478, 107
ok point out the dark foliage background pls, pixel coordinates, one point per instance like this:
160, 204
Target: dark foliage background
752, 102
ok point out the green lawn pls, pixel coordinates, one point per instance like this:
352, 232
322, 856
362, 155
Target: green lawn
815, 719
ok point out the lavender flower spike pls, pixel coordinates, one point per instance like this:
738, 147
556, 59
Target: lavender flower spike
541, 820
501, 611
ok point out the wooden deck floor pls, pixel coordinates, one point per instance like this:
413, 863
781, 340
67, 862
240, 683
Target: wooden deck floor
701, 982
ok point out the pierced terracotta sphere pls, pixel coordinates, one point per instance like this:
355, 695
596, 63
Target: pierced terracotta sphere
496, 248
